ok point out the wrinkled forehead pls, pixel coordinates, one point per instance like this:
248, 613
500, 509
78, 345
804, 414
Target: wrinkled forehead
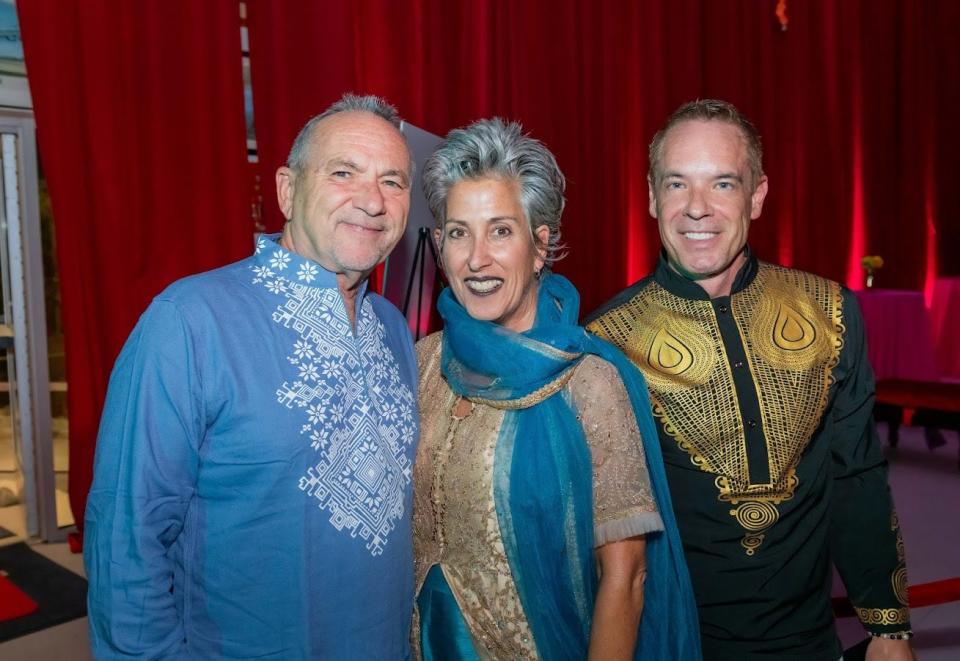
362, 133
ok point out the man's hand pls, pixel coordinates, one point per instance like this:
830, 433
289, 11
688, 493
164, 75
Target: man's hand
884, 649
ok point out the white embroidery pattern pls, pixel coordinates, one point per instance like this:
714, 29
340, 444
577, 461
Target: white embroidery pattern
359, 415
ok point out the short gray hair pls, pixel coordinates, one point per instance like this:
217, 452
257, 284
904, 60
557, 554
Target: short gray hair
349, 102
494, 148
707, 110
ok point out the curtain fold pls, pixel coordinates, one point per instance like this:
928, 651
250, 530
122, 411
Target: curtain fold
141, 129
851, 100
139, 109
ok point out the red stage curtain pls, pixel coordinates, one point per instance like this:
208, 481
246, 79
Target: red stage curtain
139, 108
853, 101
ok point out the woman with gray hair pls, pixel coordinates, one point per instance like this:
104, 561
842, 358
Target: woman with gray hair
542, 521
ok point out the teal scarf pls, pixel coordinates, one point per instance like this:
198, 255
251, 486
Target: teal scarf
543, 477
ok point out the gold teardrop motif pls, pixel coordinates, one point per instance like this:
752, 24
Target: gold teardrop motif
668, 354
791, 331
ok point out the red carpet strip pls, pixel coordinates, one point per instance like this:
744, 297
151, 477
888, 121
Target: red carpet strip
14, 602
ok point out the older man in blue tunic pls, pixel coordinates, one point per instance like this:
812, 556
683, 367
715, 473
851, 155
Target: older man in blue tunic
251, 494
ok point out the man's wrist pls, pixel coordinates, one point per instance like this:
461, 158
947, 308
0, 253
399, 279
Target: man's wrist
893, 635
886, 649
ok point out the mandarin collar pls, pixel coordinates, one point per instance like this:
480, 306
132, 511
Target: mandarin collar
270, 255
680, 286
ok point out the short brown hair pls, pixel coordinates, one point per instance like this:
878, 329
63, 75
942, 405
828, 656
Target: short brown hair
709, 110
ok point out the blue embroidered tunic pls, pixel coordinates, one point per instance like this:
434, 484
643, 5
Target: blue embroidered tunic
252, 485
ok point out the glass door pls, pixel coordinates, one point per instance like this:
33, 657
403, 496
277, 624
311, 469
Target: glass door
28, 484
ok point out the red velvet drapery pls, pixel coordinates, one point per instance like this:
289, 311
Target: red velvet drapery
854, 100
139, 109
141, 128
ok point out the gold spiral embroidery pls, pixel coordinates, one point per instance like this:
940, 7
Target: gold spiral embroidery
899, 583
755, 516
751, 542
883, 616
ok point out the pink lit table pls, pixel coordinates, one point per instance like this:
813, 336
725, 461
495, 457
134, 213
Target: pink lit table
899, 336
945, 320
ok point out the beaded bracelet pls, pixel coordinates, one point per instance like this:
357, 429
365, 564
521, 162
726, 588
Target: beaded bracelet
899, 635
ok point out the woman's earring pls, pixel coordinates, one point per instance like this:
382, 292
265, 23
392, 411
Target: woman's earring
537, 273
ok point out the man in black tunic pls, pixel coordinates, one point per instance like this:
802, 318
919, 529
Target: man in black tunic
759, 381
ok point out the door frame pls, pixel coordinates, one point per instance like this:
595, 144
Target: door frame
21, 213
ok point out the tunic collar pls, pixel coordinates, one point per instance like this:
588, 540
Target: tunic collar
680, 286
271, 257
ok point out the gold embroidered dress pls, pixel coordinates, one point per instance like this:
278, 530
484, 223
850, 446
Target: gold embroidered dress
764, 403
454, 519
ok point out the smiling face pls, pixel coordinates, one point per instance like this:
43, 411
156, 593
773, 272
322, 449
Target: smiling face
705, 200
488, 252
348, 207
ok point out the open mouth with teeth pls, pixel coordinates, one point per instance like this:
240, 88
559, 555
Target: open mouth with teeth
483, 286
699, 236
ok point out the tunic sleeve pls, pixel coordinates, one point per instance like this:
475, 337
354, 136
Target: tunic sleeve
144, 478
865, 534
623, 504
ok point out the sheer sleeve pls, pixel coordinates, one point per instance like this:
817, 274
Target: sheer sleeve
623, 504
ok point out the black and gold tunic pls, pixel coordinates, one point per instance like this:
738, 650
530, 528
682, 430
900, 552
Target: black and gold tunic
764, 403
